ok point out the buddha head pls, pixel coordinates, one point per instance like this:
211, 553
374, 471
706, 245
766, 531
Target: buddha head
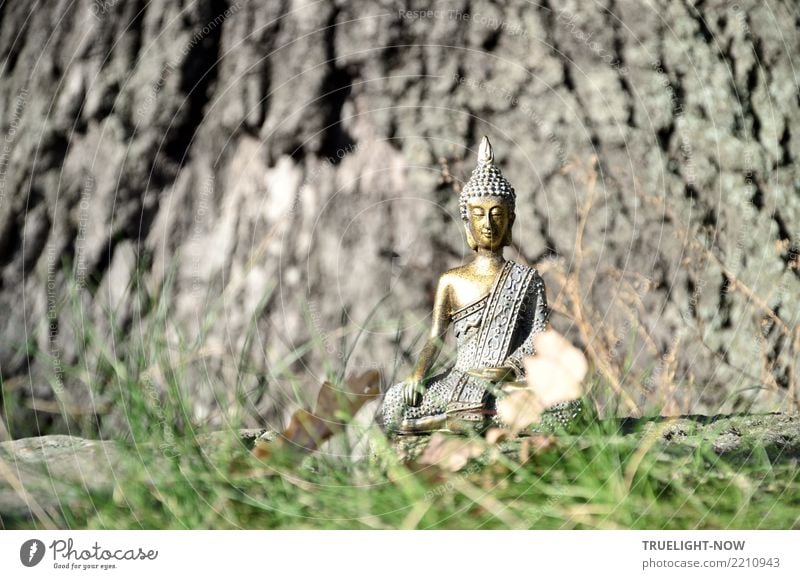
487, 204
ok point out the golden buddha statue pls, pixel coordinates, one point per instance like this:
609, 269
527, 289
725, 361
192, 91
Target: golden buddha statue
495, 307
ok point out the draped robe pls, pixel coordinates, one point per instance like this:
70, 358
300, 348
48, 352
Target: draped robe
496, 330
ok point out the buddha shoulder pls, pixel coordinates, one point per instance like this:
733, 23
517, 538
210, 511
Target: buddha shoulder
463, 286
457, 273
450, 281
446, 282
456, 277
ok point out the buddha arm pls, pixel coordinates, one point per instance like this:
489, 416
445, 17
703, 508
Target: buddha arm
441, 320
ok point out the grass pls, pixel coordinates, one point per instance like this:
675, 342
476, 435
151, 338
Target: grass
599, 478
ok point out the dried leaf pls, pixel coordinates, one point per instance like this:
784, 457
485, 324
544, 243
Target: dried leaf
449, 452
335, 407
307, 431
520, 409
556, 371
497, 435
344, 403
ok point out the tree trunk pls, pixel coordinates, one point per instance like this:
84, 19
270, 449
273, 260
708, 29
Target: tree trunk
255, 194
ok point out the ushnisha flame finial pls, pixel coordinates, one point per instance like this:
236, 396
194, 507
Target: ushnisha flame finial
486, 179
485, 152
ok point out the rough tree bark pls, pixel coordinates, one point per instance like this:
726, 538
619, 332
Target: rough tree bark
274, 173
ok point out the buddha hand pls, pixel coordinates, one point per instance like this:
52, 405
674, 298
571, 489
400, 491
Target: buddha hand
413, 390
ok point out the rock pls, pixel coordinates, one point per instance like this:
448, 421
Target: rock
727, 442
49, 470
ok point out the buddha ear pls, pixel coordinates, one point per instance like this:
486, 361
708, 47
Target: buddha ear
473, 245
507, 240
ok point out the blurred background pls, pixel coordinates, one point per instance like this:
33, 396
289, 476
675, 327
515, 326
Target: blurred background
226, 202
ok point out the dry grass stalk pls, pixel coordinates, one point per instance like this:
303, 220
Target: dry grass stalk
791, 335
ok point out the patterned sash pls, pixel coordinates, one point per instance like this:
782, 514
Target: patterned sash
501, 316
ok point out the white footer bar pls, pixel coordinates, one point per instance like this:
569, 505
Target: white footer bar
390, 554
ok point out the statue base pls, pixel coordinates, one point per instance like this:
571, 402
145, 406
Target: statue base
477, 421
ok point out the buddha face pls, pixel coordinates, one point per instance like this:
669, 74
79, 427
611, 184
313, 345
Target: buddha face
489, 222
